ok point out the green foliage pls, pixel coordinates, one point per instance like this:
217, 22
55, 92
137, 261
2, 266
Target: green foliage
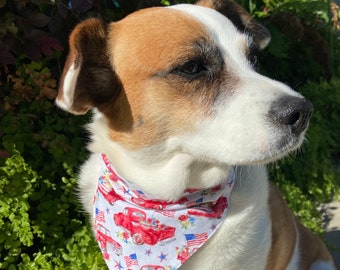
38, 226
16, 232
80, 252
32, 117
303, 39
311, 10
303, 206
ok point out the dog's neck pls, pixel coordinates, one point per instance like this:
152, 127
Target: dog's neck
157, 168
168, 179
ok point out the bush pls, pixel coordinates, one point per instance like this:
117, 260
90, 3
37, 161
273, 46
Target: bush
40, 131
40, 223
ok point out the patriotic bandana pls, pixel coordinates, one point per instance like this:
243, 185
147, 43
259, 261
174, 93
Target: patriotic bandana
135, 231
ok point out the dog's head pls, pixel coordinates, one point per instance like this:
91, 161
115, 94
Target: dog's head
183, 79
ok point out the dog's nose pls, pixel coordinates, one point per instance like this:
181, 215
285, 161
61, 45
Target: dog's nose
293, 112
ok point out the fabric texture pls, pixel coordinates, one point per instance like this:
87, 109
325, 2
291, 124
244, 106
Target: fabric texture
136, 231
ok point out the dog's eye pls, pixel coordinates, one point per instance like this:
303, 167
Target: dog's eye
191, 69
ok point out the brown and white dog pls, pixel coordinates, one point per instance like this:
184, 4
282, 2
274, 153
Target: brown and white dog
177, 103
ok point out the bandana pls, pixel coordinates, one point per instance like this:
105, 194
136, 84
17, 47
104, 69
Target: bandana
136, 231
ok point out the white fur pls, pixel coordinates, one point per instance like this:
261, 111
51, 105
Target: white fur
320, 265
295, 260
70, 81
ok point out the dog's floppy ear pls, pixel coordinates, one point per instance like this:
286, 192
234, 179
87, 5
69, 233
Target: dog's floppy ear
241, 19
88, 79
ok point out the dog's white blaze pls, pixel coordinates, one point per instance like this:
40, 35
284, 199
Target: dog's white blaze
225, 35
70, 81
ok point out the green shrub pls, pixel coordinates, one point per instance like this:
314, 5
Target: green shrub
38, 226
31, 121
302, 43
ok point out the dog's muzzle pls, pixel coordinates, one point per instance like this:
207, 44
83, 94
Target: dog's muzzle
292, 113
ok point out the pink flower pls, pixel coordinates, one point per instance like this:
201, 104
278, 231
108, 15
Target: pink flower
125, 235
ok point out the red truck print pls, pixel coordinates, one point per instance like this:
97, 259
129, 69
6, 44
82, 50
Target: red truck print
143, 230
103, 237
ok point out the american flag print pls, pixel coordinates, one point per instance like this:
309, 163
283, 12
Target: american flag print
131, 260
104, 185
100, 216
196, 239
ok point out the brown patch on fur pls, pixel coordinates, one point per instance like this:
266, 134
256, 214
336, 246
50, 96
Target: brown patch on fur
283, 231
156, 102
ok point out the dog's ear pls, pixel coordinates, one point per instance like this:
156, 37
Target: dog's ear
88, 79
241, 19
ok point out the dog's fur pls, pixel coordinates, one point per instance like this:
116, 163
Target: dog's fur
177, 102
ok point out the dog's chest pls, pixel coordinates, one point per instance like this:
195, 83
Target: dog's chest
136, 231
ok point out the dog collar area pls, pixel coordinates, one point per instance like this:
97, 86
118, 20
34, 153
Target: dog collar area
136, 232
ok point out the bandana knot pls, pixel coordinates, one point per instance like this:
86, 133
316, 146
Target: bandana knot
136, 231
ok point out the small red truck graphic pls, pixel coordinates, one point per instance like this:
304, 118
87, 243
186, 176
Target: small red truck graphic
143, 230
103, 237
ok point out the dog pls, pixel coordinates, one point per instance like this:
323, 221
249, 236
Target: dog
182, 128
